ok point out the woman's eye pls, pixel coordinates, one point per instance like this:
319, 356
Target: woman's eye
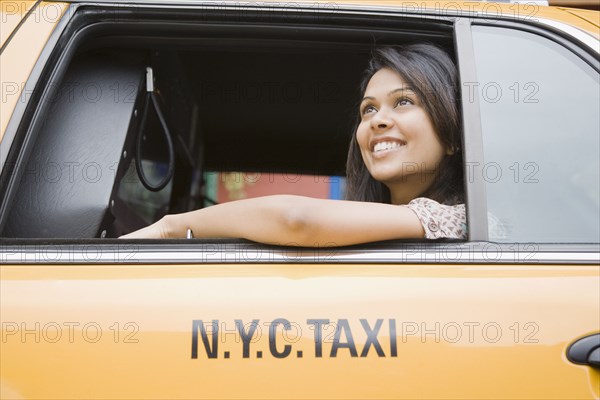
368, 110
404, 101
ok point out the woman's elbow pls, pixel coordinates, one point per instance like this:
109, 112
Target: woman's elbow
298, 221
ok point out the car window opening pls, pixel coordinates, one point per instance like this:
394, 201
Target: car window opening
245, 121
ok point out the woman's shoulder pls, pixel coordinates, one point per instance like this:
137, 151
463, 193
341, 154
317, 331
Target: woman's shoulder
440, 220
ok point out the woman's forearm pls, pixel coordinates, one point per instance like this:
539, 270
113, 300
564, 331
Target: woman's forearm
266, 219
291, 220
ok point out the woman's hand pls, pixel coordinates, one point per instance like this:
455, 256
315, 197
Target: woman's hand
158, 230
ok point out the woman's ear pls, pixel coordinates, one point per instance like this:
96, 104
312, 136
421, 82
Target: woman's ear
452, 149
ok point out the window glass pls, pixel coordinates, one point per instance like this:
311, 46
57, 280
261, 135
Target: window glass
540, 121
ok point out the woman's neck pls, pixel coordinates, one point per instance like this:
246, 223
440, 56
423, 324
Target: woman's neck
409, 188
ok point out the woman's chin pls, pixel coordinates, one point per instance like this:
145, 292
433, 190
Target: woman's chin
387, 175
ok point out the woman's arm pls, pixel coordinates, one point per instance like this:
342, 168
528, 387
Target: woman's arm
293, 221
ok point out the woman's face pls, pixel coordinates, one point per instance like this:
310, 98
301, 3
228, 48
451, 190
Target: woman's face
397, 140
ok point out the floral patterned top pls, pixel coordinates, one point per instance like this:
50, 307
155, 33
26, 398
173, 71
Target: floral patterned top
440, 220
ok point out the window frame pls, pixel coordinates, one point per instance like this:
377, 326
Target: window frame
475, 250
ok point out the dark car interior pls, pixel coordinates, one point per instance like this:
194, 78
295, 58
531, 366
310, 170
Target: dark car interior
142, 106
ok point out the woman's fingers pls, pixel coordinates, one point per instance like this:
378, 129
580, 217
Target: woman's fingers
154, 231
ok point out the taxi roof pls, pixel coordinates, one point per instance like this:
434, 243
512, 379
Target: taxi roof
586, 20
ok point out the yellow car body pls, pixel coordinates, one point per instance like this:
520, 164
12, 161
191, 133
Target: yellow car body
82, 320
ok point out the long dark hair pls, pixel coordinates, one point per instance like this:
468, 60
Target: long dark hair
432, 75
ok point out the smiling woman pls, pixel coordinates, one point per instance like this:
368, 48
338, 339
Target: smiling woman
415, 115
404, 161
418, 88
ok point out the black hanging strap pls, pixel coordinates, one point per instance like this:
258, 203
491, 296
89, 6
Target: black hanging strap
152, 101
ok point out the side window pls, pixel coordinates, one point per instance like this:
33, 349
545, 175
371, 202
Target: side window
540, 121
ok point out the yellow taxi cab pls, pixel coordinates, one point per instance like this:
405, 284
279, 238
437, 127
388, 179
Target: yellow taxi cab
253, 94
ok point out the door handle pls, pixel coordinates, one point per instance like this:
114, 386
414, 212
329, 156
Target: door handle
585, 351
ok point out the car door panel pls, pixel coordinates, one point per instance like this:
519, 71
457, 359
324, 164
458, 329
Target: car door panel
131, 329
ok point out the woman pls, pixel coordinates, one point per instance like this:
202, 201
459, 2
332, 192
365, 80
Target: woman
404, 169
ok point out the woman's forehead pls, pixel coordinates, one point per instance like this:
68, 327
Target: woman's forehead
385, 81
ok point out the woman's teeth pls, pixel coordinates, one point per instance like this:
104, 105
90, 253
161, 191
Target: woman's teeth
381, 146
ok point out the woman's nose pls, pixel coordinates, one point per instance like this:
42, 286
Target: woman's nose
381, 120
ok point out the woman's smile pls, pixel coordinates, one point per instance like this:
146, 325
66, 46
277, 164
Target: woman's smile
384, 146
